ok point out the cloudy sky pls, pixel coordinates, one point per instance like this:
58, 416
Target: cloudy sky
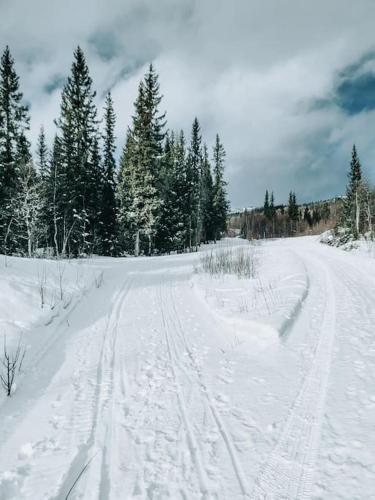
288, 84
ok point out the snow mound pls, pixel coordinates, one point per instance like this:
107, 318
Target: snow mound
264, 307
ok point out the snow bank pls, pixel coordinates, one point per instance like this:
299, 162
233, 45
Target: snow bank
35, 295
34, 291
364, 246
263, 308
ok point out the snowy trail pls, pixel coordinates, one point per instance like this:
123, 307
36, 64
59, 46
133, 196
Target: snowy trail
289, 471
152, 395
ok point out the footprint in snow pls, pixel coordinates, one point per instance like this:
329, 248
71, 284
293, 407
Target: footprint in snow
222, 398
225, 380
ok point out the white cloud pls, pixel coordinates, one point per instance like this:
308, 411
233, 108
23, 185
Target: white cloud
249, 70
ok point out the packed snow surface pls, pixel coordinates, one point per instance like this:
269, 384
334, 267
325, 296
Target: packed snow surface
149, 379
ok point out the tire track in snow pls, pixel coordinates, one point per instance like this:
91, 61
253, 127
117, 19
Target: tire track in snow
54, 465
289, 472
191, 440
352, 378
287, 325
209, 402
159, 463
94, 418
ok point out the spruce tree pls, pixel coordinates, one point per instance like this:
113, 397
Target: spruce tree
93, 234
182, 192
78, 135
266, 205
140, 174
354, 175
351, 214
207, 197
166, 212
220, 203
307, 216
272, 207
293, 213
171, 229
108, 225
193, 187
153, 122
124, 196
43, 167
42, 154
14, 146
180, 183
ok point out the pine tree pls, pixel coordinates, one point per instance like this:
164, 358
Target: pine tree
42, 154
170, 229
166, 212
193, 187
182, 192
307, 216
293, 213
351, 214
207, 199
124, 196
266, 205
354, 175
180, 186
43, 167
220, 203
140, 170
272, 207
79, 167
271, 215
93, 233
14, 146
108, 229
153, 122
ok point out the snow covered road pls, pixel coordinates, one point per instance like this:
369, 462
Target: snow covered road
150, 386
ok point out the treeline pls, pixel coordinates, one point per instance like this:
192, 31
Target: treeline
167, 193
278, 221
357, 216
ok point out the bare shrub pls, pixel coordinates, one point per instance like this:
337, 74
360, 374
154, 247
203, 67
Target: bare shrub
240, 261
11, 365
61, 272
42, 283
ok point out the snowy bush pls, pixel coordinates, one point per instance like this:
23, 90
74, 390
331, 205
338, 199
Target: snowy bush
340, 237
240, 261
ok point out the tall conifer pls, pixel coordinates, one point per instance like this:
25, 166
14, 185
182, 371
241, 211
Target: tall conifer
108, 202
193, 186
220, 202
78, 135
14, 146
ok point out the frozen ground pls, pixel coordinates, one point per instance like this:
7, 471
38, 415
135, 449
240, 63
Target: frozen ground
145, 380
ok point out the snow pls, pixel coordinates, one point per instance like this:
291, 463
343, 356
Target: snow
363, 246
148, 379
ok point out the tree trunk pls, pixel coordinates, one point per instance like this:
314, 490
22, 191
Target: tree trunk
357, 213
136, 248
